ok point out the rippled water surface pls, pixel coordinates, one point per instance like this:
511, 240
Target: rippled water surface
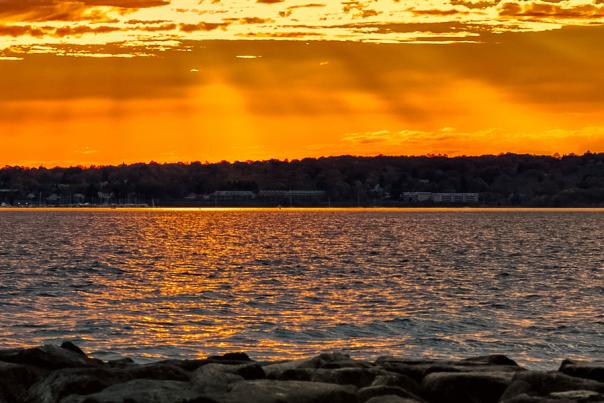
154, 284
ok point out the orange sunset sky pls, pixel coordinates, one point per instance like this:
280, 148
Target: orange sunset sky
110, 81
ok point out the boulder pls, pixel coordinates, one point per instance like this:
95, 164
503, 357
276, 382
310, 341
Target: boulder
466, 387
143, 391
68, 381
159, 371
418, 369
187, 365
48, 357
359, 377
15, 380
230, 357
543, 384
579, 396
391, 399
249, 371
385, 378
212, 379
296, 374
67, 345
494, 359
278, 370
121, 363
588, 370
370, 392
270, 391
573, 396
323, 361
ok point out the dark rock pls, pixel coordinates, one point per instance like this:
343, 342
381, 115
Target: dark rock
418, 369
15, 380
67, 345
143, 391
391, 399
188, 365
588, 370
68, 381
269, 391
385, 378
295, 374
89, 380
159, 371
372, 391
230, 357
495, 359
250, 371
48, 356
323, 361
358, 377
121, 363
277, 370
226, 359
542, 384
338, 360
466, 387
573, 396
212, 379
578, 396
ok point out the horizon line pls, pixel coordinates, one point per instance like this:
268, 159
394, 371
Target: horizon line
288, 160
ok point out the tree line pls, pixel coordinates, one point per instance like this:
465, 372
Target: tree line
501, 180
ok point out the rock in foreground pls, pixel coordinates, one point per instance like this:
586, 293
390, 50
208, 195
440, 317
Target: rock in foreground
65, 374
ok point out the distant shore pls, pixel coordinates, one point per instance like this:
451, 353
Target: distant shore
318, 209
66, 374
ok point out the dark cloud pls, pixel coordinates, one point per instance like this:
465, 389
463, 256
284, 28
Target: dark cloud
21, 30
438, 12
62, 10
204, 26
475, 4
551, 11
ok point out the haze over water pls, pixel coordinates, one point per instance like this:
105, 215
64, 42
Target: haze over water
154, 284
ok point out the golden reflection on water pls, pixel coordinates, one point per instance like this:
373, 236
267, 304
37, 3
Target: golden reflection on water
193, 282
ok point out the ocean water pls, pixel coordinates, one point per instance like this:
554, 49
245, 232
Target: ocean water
154, 284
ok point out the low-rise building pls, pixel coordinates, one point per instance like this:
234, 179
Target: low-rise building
291, 194
232, 195
422, 197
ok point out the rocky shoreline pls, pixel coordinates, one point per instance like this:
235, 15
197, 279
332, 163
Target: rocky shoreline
65, 374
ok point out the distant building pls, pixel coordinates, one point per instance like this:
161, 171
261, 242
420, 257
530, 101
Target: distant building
419, 197
273, 194
232, 195
306, 194
291, 195
53, 198
105, 195
416, 197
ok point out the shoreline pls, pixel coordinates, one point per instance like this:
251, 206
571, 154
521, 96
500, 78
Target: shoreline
66, 374
320, 209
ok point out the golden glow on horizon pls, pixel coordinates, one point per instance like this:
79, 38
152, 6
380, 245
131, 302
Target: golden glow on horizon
327, 78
